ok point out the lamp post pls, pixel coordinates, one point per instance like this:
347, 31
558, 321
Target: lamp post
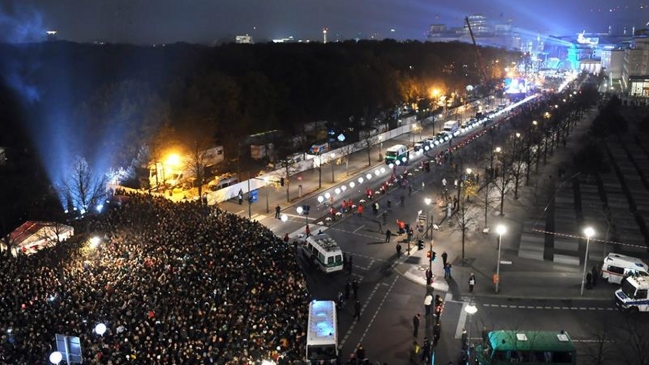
429, 218
331, 159
470, 309
589, 232
380, 147
500, 230
266, 188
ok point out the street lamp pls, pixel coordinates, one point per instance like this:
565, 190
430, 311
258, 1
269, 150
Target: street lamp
500, 230
429, 218
266, 188
56, 357
100, 329
470, 309
589, 232
284, 218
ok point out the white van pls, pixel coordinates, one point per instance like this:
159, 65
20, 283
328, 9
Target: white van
218, 184
616, 267
322, 333
323, 251
397, 154
633, 296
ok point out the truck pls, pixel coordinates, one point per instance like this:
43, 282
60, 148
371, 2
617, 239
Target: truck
633, 296
452, 126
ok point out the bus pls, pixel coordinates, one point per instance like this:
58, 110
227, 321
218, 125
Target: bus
324, 252
322, 333
397, 154
526, 347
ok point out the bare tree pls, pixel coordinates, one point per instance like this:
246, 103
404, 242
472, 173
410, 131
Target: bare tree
633, 341
346, 152
465, 219
368, 143
85, 188
601, 351
54, 232
501, 183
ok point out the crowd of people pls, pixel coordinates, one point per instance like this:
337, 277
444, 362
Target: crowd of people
174, 283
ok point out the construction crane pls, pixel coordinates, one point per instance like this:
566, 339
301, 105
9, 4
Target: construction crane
483, 72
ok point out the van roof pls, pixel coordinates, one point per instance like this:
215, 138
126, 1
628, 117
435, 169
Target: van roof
615, 258
639, 281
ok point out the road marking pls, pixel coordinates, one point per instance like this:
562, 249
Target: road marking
376, 312
357, 229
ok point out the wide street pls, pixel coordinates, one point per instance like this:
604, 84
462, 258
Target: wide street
534, 295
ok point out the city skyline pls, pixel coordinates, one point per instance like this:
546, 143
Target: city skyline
168, 21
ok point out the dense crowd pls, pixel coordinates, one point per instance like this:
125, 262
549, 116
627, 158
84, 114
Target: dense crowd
173, 283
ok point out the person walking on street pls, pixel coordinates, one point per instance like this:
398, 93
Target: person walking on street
447, 271
425, 351
278, 209
357, 311
350, 265
348, 288
355, 289
428, 303
595, 273
429, 276
415, 325
398, 250
471, 282
360, 210
414, 350
388, 236
286, 238
444, 259
437, 332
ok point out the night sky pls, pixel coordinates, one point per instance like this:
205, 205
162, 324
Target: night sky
204, 21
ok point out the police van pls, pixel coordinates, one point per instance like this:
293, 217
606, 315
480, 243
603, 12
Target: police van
322, 333
616, 267
633, 296
397, 155
324, 252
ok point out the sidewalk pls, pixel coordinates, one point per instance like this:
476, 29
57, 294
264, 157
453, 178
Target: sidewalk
519, 277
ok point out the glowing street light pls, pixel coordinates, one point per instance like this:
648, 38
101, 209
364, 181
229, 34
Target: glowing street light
588, 232
284, 218
94, 241
56, 357
100, 329
173, 159
470, 309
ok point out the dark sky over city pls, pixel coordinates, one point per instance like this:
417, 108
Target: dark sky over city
158, 21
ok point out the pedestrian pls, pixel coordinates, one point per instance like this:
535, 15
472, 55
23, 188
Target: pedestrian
402, 200
357, 311
343, 206
439, 307
429, 276
278, 209
415, 325
428, 303
360, 210
360, 352
286, 238
240, 196
388, 236
307, 231
425, 355
589, 281
350, 265
444, 259
341, 300
398, 250
595, 273
447, 271
485, 336
389, 203
414, 350
355, 289
437, 332
471, 282
345, 261
348, 288
350, 204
